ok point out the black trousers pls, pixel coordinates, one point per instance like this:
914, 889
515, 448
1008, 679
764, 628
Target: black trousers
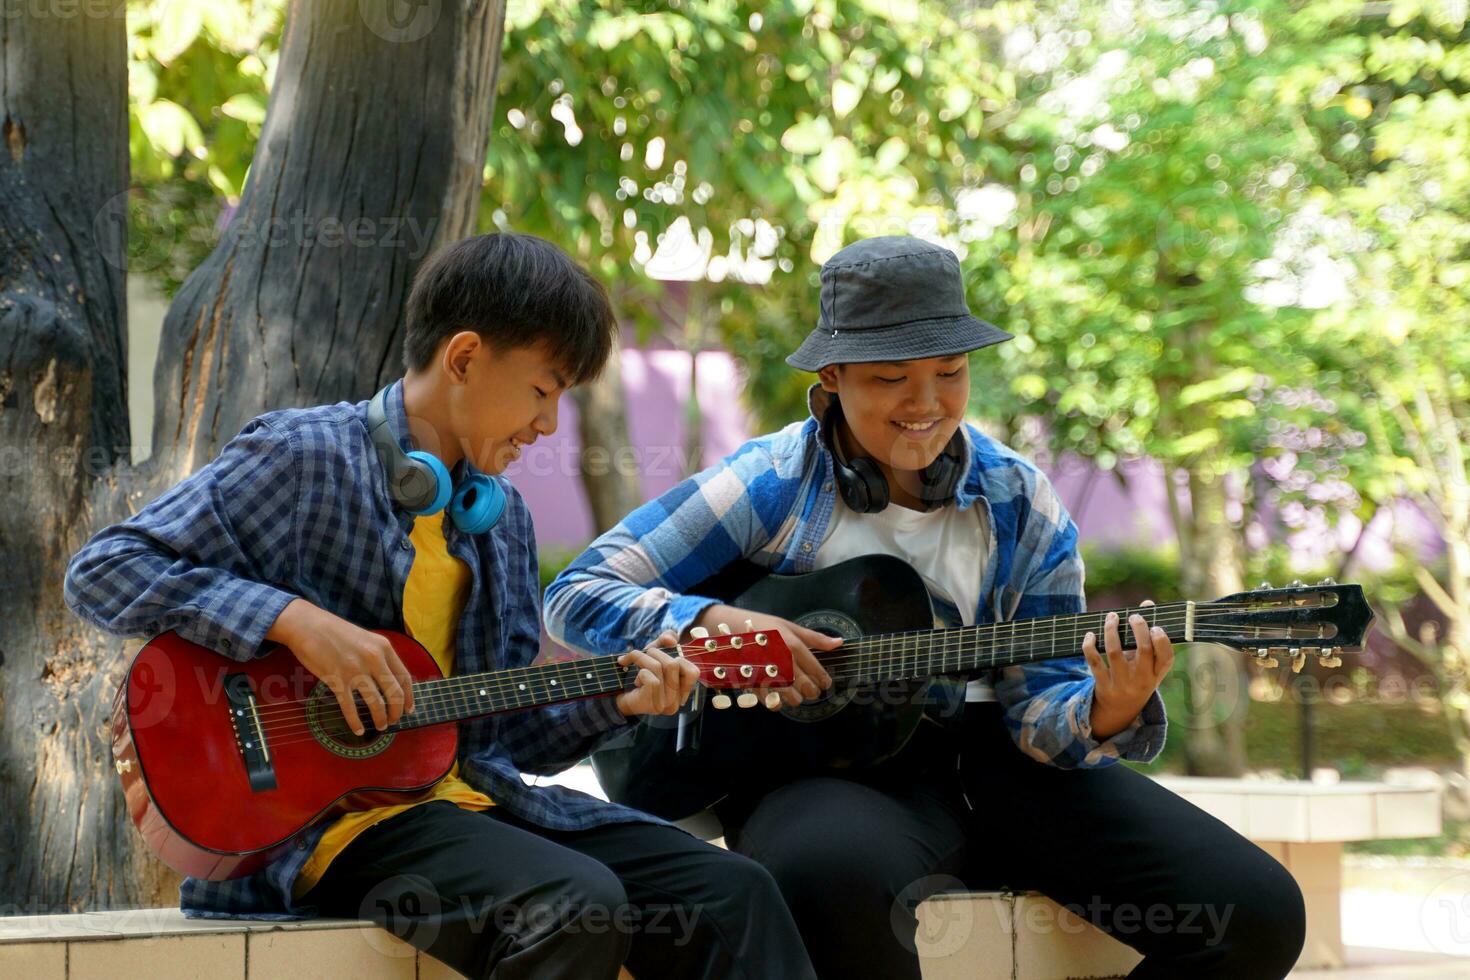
855, 856
493, 896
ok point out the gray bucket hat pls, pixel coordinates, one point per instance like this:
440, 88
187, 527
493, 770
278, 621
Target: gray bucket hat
892, 298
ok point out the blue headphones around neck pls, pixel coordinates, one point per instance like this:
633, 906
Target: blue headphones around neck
420, 483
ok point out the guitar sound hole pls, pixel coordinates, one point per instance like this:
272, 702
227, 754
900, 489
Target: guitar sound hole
329, 728
826, 704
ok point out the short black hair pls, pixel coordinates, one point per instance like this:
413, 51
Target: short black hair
513, 290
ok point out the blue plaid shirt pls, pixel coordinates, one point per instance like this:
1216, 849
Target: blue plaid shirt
771, 502
297, 505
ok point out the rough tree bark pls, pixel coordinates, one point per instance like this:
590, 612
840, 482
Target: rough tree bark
371, 154
63, 419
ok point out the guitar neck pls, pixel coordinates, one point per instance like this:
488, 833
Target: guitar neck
930, 653
472, 695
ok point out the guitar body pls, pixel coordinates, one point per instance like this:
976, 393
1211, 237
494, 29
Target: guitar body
176, 746
849, 726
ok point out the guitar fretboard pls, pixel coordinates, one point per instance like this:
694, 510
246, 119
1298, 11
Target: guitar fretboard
471, 695
929, 653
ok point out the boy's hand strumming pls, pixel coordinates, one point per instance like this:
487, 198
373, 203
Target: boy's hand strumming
347, 659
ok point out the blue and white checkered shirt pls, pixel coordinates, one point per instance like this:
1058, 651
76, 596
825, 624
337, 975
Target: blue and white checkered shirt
297, 505
771, 502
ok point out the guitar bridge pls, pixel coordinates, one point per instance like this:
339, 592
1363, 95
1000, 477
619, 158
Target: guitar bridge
250, 737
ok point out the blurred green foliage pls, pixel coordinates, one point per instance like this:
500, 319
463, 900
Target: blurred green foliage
1359, 739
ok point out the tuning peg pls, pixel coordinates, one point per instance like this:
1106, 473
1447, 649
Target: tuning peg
1264, 658
1266, 585
1296, 583
1328, 657
698, 632
736, 643
1329, 580
773, 700
719, 673
725, 628
1298, 660
747, 699
771, 670
749, 626
747, 670
721, 701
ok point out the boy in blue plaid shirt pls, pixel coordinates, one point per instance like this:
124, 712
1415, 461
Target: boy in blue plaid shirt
296, 534
1025, 792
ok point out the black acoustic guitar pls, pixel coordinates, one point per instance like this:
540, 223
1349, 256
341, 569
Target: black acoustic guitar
893, 663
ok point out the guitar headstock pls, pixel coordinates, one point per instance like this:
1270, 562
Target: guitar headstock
740, 661
1297, 621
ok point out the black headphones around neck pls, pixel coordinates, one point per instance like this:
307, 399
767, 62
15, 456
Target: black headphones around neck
862, 484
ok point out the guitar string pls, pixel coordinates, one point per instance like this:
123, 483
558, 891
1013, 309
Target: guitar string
613, 678
1076, 634
881, 646
876, 650
885, 662
871, 652
282, 736
455, 686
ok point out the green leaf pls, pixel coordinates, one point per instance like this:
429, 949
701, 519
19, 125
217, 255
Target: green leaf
808, 136
1030, 387
1228, 383
176, 25
244, 107
170, 128
845, 97
890, 154
1190, 445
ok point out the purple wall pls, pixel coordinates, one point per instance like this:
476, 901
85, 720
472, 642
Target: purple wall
657, 387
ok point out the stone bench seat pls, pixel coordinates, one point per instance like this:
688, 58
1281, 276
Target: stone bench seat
957, 933
961, 935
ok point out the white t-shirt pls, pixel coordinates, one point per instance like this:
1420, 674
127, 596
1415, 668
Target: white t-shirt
948, 547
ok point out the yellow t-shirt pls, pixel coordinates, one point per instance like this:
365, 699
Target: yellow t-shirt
433, 598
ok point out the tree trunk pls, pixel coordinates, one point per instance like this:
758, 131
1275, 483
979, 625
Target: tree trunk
1219, 692
695, 313
606, 462
63, 422
371, 154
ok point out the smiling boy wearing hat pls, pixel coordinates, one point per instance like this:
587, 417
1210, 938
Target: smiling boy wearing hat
886, 464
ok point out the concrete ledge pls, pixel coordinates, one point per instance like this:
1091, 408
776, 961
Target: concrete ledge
163, 945
1310, 813
1026, 937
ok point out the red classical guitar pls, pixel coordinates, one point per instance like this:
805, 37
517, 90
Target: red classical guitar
224, 763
